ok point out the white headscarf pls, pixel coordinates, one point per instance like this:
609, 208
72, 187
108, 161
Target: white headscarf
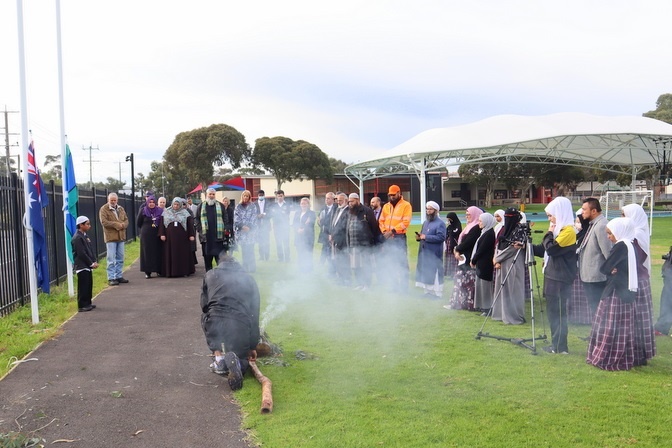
640, 223
561, 208
499, 225
488, 223
624, 232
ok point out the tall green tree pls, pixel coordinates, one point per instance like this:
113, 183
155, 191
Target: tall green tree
337, 165
195, 153
55, 170
287, 159
484, 175
663, 111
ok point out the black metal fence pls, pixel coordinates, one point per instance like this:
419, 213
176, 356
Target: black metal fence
14, 286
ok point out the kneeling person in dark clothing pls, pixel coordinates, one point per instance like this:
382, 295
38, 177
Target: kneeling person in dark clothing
230, 304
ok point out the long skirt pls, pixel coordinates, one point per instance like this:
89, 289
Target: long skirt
612, 338
449, 264
578, 310
463, 290
645, 342
483, 294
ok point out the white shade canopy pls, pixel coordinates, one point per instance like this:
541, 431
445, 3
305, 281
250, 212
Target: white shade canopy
619, 144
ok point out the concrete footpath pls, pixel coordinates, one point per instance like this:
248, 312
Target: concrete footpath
131, 373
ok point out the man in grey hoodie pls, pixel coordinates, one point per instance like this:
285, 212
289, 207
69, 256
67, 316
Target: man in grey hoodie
593, 251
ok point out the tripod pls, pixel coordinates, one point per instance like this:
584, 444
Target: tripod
534, 280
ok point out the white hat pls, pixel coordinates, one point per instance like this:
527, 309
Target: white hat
353, 196
81, 219
433, 205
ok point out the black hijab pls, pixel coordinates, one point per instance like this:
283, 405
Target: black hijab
511, 219
454, 227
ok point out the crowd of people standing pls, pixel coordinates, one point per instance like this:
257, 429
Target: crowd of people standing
594, 271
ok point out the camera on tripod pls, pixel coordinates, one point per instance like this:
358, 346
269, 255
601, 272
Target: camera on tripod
667, 255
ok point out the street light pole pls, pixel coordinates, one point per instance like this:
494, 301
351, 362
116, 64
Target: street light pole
130, 159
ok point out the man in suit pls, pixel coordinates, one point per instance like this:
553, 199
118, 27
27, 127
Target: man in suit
376, 206
304, 235
593, 251
280, 215
324, 222
362, 235
263, 226
337, 239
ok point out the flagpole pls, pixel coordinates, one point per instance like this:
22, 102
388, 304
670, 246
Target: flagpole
32, 274
71, 287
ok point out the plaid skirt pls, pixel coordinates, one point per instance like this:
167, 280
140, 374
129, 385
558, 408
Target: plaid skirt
578, 310
645, 340
612, 338
463, 290
449, 264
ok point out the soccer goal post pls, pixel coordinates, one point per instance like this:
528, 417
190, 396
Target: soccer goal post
613, 202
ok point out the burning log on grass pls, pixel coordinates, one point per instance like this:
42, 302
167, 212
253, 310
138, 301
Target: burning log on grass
266, 386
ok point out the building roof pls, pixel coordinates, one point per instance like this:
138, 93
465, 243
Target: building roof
625, 144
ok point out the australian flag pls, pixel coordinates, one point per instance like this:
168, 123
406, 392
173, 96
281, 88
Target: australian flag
38, 200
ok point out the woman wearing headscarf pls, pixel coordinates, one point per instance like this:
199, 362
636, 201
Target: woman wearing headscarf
578, 309
644, 331
429, 272
465, 277
453, 230
151, 249
481, 260
613, 345
177, 231
245, 223
499, 221
558, 248
509, 263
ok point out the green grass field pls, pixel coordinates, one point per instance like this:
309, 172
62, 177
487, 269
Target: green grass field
392, 370
400, 371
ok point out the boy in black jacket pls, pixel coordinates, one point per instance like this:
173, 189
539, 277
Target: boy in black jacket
85, 260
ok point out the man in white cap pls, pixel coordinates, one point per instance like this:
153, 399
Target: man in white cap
85, 260
362, 234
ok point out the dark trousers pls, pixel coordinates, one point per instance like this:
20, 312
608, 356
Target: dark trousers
594, 292
665, 320
263, 239
228, 335
395, 261
207, 258
341, 263
556, 307
249, 262
84, 288
282, 243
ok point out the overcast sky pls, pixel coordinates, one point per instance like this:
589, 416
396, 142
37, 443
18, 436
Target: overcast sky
353, 77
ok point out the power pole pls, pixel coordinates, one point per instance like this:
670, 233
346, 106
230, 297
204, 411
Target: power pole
7, 134
90, 148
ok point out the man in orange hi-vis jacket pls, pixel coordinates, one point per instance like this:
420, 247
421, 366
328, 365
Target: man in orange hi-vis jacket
395, 218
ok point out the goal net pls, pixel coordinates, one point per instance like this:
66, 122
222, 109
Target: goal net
613, 202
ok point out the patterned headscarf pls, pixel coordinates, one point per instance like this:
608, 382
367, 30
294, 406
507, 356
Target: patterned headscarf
171, 215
